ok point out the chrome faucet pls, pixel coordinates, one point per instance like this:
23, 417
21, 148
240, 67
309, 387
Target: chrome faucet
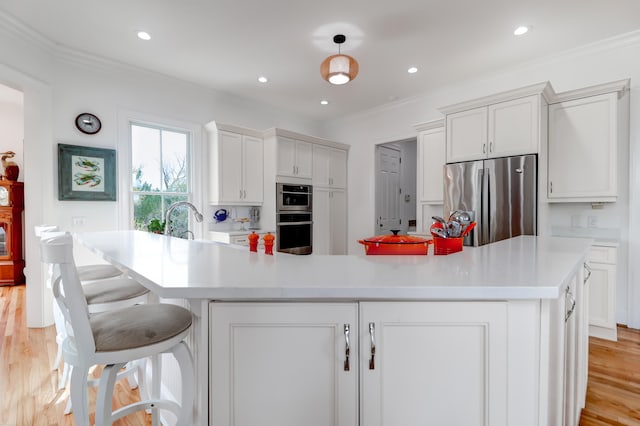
196, 213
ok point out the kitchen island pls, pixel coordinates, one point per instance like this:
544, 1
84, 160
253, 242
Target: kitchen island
476, 337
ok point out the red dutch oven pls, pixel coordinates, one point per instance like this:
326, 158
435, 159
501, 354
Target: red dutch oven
395, 244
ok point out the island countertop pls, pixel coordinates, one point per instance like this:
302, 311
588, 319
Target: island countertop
524, 267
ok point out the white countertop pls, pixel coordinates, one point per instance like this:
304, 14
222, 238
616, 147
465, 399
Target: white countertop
518, 268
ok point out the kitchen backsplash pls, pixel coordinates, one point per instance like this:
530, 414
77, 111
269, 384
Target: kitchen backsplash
231, 223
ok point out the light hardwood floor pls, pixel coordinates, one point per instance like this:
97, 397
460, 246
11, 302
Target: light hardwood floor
28, 385
30, 396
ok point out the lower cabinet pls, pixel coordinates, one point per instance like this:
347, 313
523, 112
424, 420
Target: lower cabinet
409, 363
284, 364
433, 363
602, 292
368, 363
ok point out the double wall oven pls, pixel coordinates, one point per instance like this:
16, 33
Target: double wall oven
294, 215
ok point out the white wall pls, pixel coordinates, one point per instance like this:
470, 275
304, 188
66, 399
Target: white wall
603, 62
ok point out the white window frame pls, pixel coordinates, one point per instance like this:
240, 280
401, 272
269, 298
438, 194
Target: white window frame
197, 173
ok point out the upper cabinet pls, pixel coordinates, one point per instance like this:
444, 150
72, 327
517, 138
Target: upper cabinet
588, 134
329, 167
294, 158
500, 125
236, 170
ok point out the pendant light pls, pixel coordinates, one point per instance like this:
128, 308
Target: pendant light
339, 69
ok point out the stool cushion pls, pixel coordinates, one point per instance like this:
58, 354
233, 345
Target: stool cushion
97, 272
138, 326
107, 291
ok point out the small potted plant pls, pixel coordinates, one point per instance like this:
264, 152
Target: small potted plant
156, 226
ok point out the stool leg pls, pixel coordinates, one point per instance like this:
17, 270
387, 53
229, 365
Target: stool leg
105, 394
78, 394
156, 382
64, 379
187, 376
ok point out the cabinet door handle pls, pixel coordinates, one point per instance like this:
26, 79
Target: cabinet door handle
241, 194
484, 148
372, 336
244, 194
347, 348
588, 268
572, 301
551, 187
490, 146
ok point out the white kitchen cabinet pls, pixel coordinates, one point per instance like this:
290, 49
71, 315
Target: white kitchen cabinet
602, 292
329, 167
235, 168
424, 350
431, 159
295, 158
329, 221
284, 364
498, 130
583, 149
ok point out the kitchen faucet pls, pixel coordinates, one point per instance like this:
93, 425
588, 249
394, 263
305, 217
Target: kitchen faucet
196, 213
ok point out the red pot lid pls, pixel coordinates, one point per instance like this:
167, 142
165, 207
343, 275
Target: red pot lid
395, 239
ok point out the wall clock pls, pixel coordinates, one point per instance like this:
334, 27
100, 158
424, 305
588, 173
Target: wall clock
88, 123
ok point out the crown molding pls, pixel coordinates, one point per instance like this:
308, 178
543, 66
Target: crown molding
15, 27
620, 86
430, 125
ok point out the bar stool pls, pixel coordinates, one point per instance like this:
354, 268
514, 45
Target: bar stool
103, 295
114, 338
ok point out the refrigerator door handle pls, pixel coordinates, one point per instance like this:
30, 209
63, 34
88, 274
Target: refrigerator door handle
483, 232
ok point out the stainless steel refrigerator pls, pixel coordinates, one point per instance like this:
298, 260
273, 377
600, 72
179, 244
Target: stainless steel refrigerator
500, 194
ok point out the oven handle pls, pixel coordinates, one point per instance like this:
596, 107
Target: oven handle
294, 223
295, 192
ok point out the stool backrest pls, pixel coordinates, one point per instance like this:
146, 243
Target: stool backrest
57, 249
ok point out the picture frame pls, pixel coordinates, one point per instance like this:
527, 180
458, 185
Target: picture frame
86, 173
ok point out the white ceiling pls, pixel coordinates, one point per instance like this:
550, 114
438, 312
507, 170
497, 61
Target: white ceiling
226, 44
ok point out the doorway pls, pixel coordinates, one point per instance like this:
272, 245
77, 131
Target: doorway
395, 186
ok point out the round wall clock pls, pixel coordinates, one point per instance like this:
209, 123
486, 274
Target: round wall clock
88, 123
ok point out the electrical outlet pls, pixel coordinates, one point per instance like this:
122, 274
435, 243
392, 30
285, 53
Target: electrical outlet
78, 220
592, 221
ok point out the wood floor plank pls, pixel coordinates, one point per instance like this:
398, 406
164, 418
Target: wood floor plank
26, 360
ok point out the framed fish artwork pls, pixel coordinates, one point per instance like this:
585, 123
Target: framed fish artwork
86, 173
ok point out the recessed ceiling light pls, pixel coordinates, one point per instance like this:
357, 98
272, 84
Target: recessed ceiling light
412, 70
143, 35
521, 30
324, 102
263, 79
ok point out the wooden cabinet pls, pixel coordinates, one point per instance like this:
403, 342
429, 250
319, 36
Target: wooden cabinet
11, 256
236, 170
426, 350
602, 292
329, 221
498, 130
285, 364
295, 158
585, 135
329, 167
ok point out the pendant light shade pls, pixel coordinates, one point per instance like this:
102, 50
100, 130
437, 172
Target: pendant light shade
339, 69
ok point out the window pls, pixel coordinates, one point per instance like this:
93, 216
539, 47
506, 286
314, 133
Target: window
160, 176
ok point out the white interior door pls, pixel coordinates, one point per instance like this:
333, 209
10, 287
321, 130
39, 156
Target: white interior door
387, 189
